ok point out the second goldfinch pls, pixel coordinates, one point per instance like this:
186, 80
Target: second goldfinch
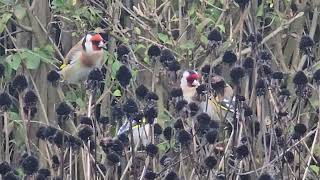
215, 105
86, 55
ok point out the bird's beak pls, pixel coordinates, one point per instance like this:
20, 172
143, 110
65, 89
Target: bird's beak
102, 45
195, 83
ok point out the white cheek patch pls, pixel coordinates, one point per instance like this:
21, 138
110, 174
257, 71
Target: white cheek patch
88, 37
183, 82
185, 74
89, 47
88, 44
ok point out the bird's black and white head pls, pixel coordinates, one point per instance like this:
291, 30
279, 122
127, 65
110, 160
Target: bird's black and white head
93, 42
189, 83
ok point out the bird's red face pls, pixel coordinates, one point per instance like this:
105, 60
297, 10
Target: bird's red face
97, 42
193, 79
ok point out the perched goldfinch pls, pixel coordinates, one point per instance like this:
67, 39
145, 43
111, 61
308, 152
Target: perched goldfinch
86, 55
189, 84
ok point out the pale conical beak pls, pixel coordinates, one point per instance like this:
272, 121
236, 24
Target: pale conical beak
195, 83
102, 45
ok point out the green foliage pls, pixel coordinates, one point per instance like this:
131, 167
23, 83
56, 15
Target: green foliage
14, 116
8, 70
77, 97
164, 38
117, 93
62, 5
137, 30
315, 169
32, 62
3, 21
222, 28
6, 2
139, 47
85, 17
260, 12
15, 122
14, 61
204, 39
115, 67
163, 147
80, 103
205, 22
19, 11
31, 58
188, 45
317, 150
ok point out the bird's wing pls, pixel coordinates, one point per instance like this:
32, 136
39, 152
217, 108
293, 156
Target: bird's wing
73, 55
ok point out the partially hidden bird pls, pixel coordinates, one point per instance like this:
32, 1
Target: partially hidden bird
83, 57
214, 106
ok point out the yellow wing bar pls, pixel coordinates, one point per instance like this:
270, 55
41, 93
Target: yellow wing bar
139, 125
63, 66
219, 105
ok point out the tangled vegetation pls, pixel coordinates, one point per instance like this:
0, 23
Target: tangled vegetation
210, 89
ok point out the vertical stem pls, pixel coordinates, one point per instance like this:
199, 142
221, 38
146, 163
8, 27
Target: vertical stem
89, 104
194, 141
88, 161
91, 93
83, 163
299, 164
241, 33
154, 82
29, 127
62, 160
70, 163
76, 168
108, 172
183, 165
6, 136
181, 20
135, 177
145, 168
24, 123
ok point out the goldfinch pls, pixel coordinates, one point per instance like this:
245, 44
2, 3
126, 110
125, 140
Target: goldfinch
189, 84
86, 55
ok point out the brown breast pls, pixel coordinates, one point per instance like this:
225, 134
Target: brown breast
92, 59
